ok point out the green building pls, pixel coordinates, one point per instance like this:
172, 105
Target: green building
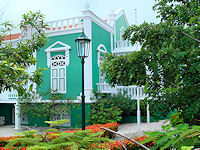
63, 66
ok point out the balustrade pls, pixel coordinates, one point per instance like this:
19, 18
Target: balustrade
64, 24
122, 43
9, 95
123, 47
132, 91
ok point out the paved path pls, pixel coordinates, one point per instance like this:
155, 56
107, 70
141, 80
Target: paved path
129, 129
8, 130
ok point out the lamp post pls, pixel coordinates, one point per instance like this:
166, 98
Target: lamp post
83, 46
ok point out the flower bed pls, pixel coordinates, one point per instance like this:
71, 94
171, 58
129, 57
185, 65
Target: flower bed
96, 128
114, 145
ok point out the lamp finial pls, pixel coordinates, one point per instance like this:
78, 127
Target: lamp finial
87, 7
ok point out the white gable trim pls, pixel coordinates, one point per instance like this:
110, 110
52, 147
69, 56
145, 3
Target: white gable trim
120, 12
50, 49
97, 20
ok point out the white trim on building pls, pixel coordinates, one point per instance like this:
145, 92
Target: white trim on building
65, 48
120, 12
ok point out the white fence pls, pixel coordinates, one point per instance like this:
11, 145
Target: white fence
65, 24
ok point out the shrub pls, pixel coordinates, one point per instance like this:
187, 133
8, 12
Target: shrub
116, 145
125, 103
105, 111
176, 138
175, 119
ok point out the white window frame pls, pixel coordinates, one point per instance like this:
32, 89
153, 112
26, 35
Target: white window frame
51, 49
64, 47
58, 77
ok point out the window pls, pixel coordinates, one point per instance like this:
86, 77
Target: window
102, 76
58, 74
101, 52
121, 33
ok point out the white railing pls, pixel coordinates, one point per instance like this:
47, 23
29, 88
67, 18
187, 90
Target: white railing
65, 24
122, 43
8, 95
132, 91
106, 88
124, 47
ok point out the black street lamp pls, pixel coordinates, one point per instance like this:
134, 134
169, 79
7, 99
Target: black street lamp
83, 47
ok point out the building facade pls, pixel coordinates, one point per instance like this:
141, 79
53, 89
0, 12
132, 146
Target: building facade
63, 66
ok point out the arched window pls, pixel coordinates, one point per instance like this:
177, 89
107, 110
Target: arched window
101, 50
58, 74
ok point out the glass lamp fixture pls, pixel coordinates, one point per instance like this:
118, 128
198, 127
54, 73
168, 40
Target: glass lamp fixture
83, 45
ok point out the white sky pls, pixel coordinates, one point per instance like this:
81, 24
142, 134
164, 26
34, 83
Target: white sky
61, 9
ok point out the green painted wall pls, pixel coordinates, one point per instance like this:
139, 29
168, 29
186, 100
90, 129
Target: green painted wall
6, 110
113, 42
118, 24
73, 71
36, 120
76, 115
99, 36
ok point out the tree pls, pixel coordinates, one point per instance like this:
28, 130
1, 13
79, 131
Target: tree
170, 51
18, 55
56, 107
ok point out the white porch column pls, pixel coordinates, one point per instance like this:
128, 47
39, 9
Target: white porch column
148, 114
87, 25
138, 109
17, 116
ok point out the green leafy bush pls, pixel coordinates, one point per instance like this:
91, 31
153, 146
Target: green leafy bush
175, 138
105, 111
111, 103
175, 119
125, 103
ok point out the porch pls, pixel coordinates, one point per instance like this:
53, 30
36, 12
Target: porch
123, 47
132, 91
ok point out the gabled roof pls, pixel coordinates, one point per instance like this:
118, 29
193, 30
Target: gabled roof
120, 12
12, 37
